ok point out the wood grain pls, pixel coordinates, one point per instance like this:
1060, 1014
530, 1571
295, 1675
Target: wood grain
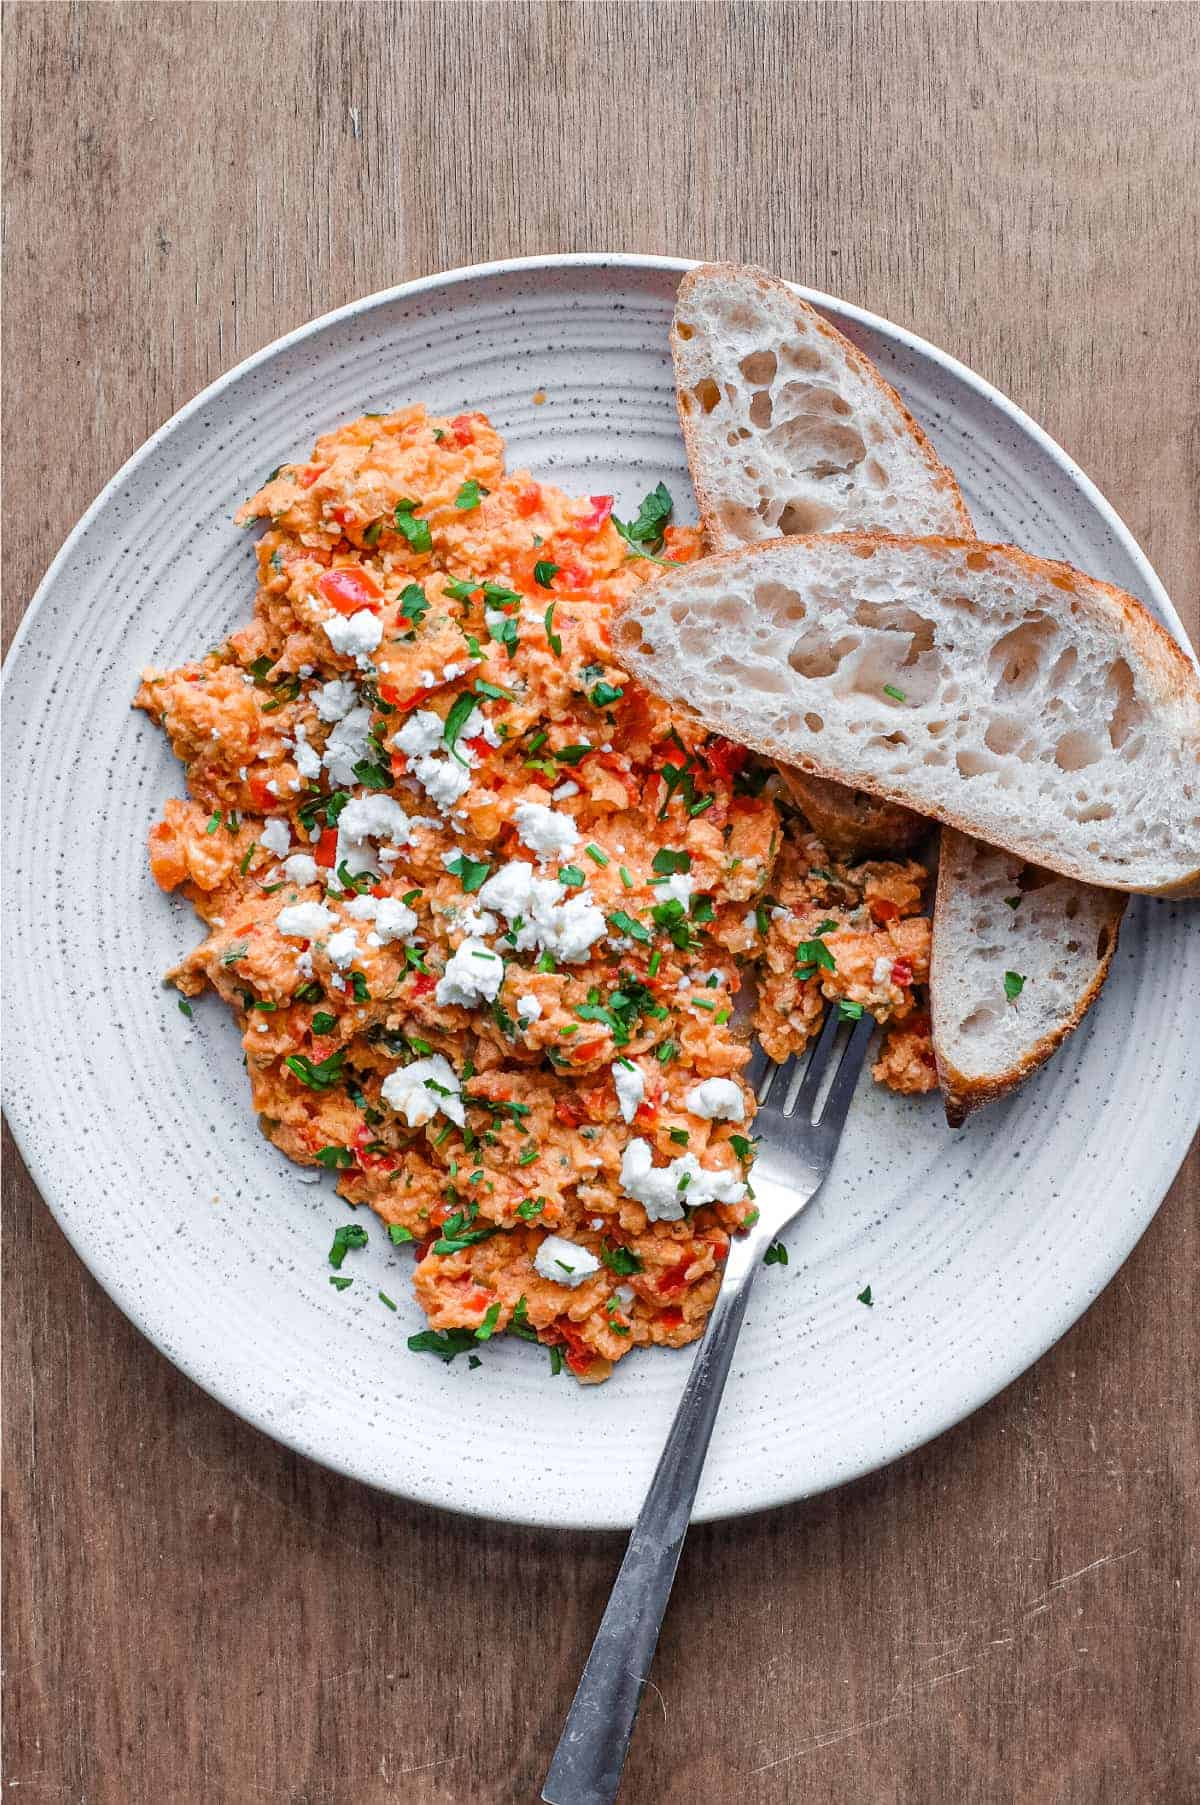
194, 1614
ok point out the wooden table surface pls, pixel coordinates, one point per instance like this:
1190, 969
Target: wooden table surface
196, 1615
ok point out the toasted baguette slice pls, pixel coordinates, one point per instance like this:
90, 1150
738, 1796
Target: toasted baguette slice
1005, 695
851, 823
998, 916
788, 427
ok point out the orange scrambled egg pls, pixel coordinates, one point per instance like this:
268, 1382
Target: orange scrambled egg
485, 910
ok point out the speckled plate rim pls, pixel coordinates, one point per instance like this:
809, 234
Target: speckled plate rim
961, 1398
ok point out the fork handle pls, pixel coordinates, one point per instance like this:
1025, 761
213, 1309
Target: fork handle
587, 1764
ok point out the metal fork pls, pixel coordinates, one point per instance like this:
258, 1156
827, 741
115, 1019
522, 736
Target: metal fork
802, 1108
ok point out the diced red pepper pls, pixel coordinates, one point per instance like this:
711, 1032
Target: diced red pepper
671, 1318
350, 589
423, 983
565, 1334
529, 500
325, 850
261, 796
602, 507
589, 1049
309, 474
463, 427
675, 1277
883, 908
568, 1111
343, 516
725, 758
479, 746
902, 973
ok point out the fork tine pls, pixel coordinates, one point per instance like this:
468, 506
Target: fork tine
756, 1068
817, 1065
833, 1114
775, 1081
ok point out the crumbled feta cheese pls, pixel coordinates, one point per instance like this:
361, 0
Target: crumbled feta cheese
545, 831
305, 921
490, 732
565, 926
300, 868
663, 1191
307, 758
624, 1295
272, 786
305, 670
451, 671
392, 919
354, 635
678, 887
882, 971
304, 964
564, 1261
348, 744
475, 921
418, 1091
631, 1088
443, 779
367, 818
564, 790
334, 700
578, 925
428, 680
342, 948
529, 1007
473, 974
717, 1100
276, 837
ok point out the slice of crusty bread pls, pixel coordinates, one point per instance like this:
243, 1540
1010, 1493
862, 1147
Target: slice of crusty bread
1054, 939
852, 823
788, 427
1006, 695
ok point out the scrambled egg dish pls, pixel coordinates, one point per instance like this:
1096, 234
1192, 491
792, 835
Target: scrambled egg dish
483, 908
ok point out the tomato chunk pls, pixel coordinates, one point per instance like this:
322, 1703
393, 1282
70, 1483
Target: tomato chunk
351, 589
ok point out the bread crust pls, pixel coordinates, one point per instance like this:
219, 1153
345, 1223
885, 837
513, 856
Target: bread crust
1151, 640
941, 478
850, 822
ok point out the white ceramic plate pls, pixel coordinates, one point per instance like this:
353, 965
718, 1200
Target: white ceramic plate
981, 1247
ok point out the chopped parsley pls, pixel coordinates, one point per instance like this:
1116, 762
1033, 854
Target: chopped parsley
461, 710
864, 1297
621, 1260
776, 1255
644, 534
471, 873
1014, 984
445, 1343
487, 1327
349, 1235
398, 1235
544, 572
552, 637
470, 495
334, 1158
320, 1077
897, 695
415, 531
667, 861
602, 694
626, 924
